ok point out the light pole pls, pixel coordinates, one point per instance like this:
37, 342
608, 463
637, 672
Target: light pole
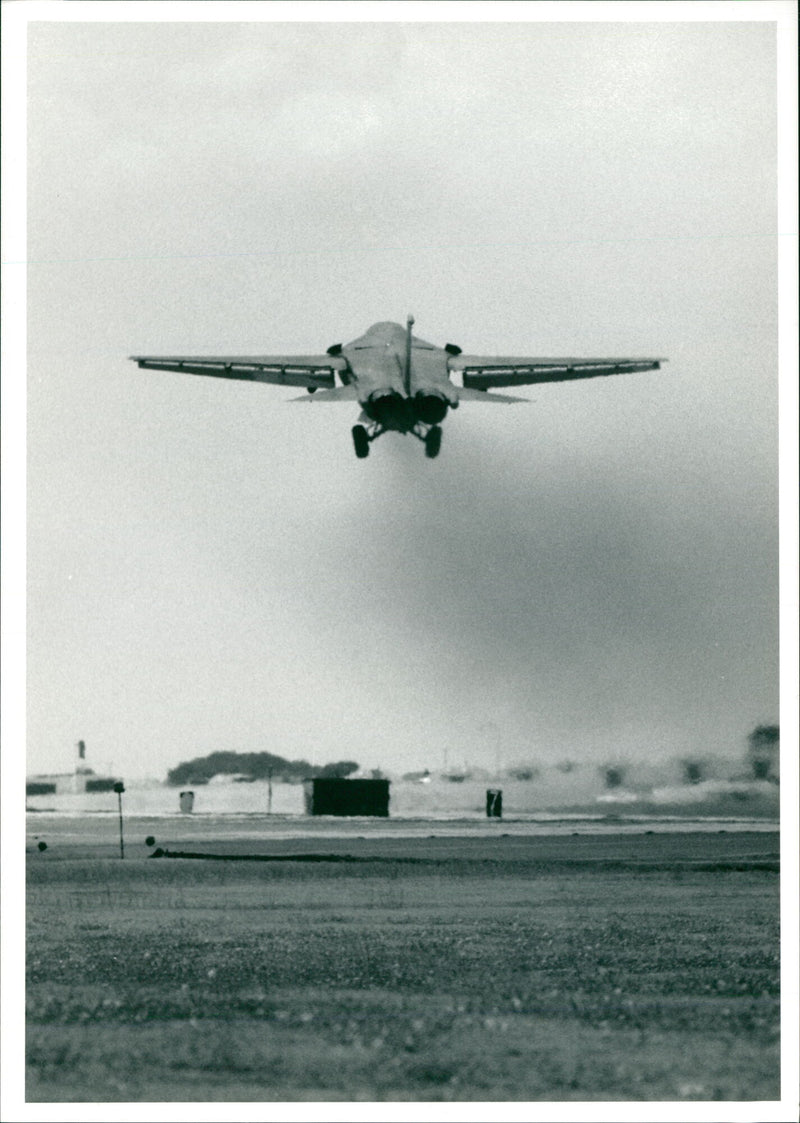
119, 788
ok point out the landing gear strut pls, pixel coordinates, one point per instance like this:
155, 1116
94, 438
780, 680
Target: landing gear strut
433, 441
431, 437
361, 441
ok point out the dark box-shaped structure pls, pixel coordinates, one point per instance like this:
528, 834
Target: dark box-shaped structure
346, 797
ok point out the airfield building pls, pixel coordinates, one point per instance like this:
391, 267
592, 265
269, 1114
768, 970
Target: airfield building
82, 780
327, 796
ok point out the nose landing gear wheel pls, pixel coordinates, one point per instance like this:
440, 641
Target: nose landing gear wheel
360, 441
433, 442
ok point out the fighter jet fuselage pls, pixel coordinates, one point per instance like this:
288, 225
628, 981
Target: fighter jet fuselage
402, 383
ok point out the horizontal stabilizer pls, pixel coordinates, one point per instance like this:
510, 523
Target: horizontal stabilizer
340, 394
465, 394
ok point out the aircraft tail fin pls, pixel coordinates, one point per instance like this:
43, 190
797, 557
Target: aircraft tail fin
407, 369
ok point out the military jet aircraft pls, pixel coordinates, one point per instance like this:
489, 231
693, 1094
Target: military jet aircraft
401, 382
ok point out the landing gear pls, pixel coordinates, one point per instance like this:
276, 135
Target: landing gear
430, 435
361, 441
433, 441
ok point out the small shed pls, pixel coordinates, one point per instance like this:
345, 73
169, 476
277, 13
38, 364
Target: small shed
326, 796
40, 787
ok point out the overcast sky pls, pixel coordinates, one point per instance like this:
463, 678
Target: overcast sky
592, 575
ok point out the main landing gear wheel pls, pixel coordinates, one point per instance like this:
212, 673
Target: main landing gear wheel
433, 442
360, 441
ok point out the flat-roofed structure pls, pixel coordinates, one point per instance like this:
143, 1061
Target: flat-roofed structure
326, 796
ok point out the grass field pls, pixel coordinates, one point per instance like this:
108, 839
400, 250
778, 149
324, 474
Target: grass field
454, 978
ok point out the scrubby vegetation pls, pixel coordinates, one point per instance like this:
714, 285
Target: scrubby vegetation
254, 766
383, 981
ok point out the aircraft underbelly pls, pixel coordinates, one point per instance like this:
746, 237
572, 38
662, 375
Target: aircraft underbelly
429, 375
388, 397
376, 371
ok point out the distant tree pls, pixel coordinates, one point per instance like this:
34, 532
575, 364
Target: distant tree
256, 766
202, 769
764, 735
763, 746
693, 771
524, 772
339, 770
613, 775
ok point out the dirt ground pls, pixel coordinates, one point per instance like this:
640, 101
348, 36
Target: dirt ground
574, 968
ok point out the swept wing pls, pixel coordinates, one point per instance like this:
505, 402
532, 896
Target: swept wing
486, 372
312, 371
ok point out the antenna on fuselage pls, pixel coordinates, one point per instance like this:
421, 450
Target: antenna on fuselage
409, 325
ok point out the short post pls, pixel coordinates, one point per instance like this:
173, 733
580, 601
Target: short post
494, 803
119, 788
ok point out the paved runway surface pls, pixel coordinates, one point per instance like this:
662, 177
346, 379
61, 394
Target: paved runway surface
586, 842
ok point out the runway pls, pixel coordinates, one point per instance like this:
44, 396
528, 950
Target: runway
580, 841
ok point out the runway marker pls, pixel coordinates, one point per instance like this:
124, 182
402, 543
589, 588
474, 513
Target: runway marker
119, 788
